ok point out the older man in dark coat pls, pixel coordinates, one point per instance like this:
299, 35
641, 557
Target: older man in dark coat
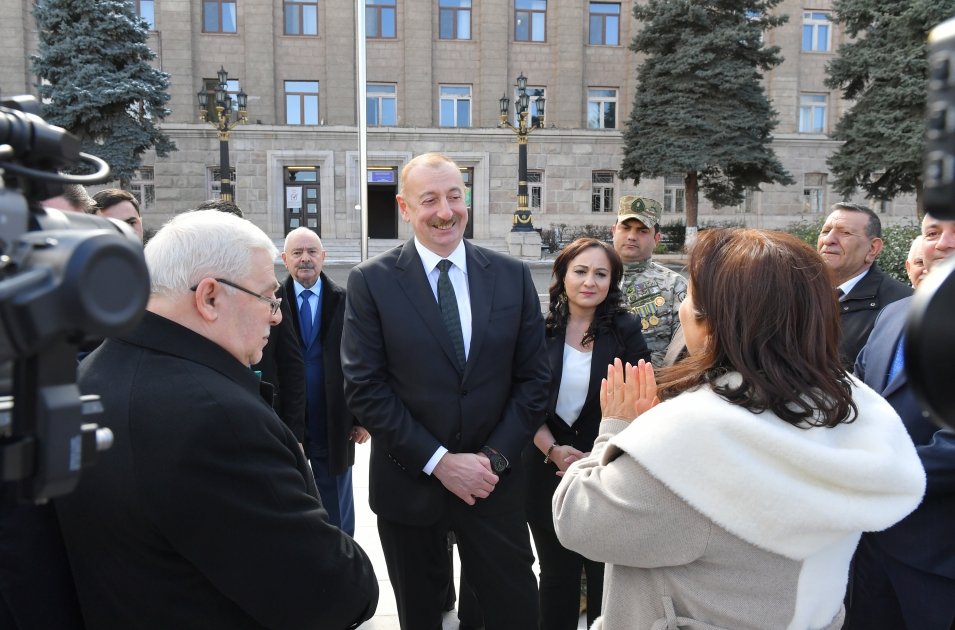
850, 243
204, 513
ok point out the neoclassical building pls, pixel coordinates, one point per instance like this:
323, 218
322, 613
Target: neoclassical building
435, 71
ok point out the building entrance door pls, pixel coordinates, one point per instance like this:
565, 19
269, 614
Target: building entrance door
382, 206
303, 198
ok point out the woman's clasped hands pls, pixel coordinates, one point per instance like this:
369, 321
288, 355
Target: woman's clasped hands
628, 390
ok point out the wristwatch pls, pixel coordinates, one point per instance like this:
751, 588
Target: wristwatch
499, 463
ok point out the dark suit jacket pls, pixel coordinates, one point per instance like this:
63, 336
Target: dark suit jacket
339, 420
283, 368
924, 539
204, 513
860, 307
403, 383
625, 342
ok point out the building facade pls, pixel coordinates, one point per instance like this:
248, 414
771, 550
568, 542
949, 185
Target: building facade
436, 70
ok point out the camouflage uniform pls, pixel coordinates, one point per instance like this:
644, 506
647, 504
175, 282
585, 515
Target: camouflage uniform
654, 293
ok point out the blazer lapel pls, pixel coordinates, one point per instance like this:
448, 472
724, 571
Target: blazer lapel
292, 300
480, 288
414, 283
879, 359
555, 356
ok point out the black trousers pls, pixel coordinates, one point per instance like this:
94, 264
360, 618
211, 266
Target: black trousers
560, 571
496, 559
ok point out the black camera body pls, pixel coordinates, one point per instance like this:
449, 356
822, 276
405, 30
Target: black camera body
930, 333
65, 278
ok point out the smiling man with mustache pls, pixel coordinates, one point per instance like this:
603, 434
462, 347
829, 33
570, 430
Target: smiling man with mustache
445, 364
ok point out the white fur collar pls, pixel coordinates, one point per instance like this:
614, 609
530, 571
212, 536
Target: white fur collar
791, 491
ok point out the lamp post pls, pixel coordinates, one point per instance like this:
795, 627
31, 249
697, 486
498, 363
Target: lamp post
226, 120
522, 216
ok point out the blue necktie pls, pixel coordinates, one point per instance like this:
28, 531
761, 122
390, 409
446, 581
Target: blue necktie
305, 317
449, 310
898, 360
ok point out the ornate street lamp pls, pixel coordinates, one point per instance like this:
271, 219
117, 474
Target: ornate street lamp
522, 216
226, 120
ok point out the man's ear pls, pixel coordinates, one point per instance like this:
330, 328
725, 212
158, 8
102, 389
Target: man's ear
207, 295
403, 208
657, 236
875, 248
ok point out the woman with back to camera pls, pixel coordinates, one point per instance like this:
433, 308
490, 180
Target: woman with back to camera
737, 501
587, 326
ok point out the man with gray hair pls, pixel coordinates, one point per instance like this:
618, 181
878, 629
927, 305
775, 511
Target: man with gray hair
204, 513
850, 242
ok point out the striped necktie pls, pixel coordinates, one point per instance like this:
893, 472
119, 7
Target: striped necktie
449, 310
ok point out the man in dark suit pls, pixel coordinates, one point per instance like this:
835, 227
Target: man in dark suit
850, 242
451, 389
316, 306
904, 577
204, 513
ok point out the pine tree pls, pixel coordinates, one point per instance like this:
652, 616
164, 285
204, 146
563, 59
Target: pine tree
94, 60
884, 69
700, 107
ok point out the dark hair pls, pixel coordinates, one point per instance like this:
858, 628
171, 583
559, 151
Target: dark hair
110, 197
221, 205
558, 312
76, 196
873, 229
766, 301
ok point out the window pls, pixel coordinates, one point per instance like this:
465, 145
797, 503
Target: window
535, 190
146, 10
301, 102
814, 193
602, 108
454, 19
604, 24
533, 116
530, 20
301, 17
455, 105
142, 185
749, 204
380, 19
212, 181
812, 113
674, 194
218, 16
232, 89
382, 104
815, 31
602, 196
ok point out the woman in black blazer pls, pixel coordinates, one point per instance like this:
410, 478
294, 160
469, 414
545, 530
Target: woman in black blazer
587, 326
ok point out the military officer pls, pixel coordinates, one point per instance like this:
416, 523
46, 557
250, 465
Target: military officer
651, 290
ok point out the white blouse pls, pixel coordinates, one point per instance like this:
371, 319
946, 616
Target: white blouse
574, 383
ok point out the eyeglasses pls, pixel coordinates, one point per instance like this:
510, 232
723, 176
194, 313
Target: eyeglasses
274, 303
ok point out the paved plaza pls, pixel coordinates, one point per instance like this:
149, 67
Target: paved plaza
366, 533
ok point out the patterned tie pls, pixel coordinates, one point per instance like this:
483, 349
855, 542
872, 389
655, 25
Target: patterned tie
898, 360
305, 317
449, 310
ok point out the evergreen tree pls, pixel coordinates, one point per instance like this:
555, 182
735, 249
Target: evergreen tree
884, 69
700, 108
95, 62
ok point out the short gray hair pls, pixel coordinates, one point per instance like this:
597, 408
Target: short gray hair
203, 244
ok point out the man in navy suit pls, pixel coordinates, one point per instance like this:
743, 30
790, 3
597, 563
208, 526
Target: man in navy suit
904, 577
317, 307
445, 364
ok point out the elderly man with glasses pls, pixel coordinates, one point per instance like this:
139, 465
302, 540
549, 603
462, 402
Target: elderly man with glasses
204, 513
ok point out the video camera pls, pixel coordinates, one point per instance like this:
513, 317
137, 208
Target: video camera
930, 330
65, 278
